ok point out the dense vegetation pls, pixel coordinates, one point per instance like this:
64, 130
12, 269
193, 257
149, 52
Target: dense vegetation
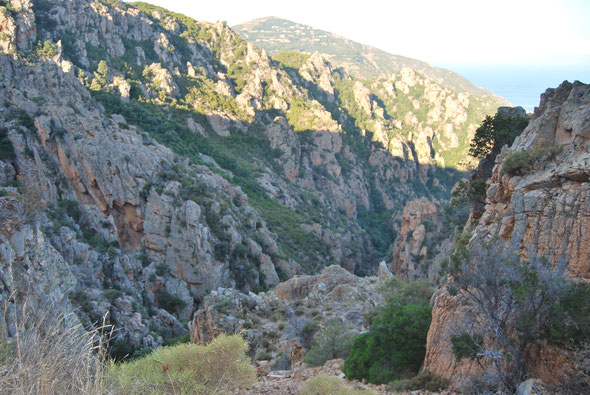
6, 149
395, 345
291, 59
494, 133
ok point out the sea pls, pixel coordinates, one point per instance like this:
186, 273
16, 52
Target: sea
521, 86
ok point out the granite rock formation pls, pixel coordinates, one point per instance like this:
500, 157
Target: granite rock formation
539, 209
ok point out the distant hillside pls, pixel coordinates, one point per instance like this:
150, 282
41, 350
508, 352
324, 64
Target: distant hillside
158, 158
362, 61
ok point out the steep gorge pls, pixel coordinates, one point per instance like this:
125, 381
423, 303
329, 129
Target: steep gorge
538, 208
155, 159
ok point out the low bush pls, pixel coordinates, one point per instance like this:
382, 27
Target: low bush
219, 367
331, 343
112, 294
395, 345
169, 302
162, 269
516, 163
425, 380
308, 333
6, 149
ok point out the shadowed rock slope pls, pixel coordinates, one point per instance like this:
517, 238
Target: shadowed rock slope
149, 158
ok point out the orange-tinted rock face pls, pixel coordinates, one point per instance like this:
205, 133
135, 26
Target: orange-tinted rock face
408, 253
545, 212
447, 310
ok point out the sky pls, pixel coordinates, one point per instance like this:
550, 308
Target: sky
524, 32
472, 37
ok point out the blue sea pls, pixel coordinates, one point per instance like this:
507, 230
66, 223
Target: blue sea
521, 86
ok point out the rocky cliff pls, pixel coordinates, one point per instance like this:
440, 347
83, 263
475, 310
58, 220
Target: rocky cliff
426, 237
164, 158
536, 206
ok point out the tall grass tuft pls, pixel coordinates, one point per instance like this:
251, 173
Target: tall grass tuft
48, 353
51, 353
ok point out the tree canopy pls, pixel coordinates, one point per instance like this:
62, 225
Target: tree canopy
494, 133
395, 345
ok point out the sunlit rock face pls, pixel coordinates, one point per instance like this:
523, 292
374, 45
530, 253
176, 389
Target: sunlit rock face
542, 211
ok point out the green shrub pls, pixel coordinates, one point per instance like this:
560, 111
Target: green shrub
120, 350
143, 258
224, 305
517, 163
291, 59
221, 250
399, 292
240, 251
330, 385
394, 346
112, 294
23, 118
162, 269
81, 299
219, 367
169, 302
72, 208
568, 322
308, 332
332, 342
396, 342
173, 341
6, 148
400, 385
466, 345
47, 50
494, 133
425, 380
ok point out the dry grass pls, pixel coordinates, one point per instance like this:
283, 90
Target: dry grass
217, 368
51, 354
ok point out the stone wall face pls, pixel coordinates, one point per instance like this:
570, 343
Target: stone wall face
542, 212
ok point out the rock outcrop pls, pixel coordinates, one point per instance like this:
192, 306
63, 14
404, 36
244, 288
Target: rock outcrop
426, 238
281, 322
410, 253
540, 208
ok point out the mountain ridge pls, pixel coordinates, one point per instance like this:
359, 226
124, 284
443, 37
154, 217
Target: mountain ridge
225, 168
361, 60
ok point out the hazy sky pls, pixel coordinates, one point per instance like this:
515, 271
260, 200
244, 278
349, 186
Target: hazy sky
441, 32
